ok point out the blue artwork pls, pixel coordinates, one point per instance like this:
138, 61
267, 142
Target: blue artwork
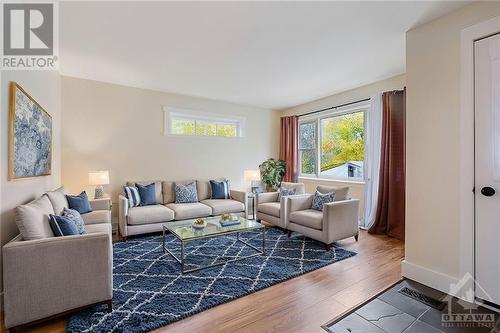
31, 136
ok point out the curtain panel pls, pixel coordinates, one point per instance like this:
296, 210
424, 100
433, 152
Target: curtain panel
289, 143
390, 215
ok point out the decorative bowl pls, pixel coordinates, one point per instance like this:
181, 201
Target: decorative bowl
199, 224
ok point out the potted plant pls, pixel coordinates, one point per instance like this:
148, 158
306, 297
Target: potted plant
272, 172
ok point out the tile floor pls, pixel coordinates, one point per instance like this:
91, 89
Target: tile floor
393, 312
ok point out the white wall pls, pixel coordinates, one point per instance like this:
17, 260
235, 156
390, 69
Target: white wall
357, 189
433, 139
45, 88
120, 129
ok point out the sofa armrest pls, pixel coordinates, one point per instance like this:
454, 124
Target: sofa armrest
48, 276
100, 204
341, 219
299, 202
240, 196
266, 197
122, 215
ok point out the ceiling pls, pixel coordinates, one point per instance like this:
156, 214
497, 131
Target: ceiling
268, 54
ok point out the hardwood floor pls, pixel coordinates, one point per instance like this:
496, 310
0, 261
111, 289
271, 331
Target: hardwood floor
301, 304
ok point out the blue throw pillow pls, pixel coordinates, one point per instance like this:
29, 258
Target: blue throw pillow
74, 216
62, 226
320, 199
132, 195
147, 194
80, 203
220, 189
284, 192
186, 193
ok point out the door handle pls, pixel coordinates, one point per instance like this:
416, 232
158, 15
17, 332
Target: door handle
488, 191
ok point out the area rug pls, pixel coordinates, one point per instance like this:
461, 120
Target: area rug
149, 292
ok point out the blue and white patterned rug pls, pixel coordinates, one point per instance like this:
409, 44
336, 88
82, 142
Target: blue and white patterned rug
149, 292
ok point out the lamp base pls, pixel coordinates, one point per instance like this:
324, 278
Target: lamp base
99, 192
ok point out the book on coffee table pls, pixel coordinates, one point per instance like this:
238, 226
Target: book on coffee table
229, 223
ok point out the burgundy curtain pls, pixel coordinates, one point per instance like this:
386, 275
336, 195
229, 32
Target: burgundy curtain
289, 147
390, 216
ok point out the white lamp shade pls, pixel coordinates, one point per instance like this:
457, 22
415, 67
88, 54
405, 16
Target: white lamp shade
251, 175
99, 177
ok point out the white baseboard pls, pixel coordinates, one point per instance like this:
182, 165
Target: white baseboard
428, 277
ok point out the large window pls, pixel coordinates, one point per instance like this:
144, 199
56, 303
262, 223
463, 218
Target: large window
337, 141
189, 124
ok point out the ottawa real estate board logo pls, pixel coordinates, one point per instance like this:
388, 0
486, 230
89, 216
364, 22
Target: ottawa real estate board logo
29, 36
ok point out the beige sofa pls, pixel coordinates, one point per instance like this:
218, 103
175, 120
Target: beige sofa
272, 210
146, 219
338, 220
48, 275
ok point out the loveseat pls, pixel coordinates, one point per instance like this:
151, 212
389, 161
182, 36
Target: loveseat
150, 218
46, 275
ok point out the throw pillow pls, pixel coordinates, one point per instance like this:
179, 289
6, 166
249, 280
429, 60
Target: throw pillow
284, 192
80, 203
58, 200
320, 199
186, 193
62, 226
220, 189
33, 219
132, 195
147, 194
74, 216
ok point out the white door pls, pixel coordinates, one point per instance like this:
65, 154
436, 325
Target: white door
487, 168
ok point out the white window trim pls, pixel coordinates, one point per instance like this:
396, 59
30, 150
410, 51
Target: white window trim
187, 114
316, 118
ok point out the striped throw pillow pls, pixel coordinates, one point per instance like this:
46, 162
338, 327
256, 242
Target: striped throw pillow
132, 195
220, 189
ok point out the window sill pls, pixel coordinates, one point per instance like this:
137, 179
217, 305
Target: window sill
329, 180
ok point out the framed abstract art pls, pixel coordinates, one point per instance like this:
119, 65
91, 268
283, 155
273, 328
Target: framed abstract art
30, 137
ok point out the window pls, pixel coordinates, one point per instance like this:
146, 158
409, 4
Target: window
337, 141
189, 123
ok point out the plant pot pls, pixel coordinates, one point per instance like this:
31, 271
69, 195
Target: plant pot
271, 189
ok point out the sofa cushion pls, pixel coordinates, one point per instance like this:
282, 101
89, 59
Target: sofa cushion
58, 200
79, 202
204, 189
76, 217
158, 188
222, 206
190, 210
168, 188
63, 226
149, 214
97, 216
310, 218
147, 194
33, 219
270, 208
186, 193
340, 192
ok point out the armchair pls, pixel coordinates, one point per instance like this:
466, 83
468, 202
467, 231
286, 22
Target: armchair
338, 220
273, 211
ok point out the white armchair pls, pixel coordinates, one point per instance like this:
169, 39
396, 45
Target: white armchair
338, 220
272, 210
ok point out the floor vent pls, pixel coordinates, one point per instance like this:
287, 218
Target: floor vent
417, 295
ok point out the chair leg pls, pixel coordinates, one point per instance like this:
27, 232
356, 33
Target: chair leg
124, 238
328, 247
110, 305
289, 233
356, 237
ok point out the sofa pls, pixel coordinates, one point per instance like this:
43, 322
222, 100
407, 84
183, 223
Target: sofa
150, 218
338, 220
272, 210
46, 276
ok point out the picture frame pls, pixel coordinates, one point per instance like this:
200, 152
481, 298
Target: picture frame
30, 136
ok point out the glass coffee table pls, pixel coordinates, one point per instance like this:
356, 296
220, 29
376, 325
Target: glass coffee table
185, 232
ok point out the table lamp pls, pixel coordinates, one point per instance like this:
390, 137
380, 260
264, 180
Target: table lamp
99, 178
252, 177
